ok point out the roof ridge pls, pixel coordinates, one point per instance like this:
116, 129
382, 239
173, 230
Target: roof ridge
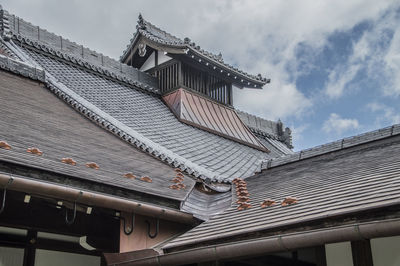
25, 32
142, 21
21, 68
337, 145
119, 129
257, 130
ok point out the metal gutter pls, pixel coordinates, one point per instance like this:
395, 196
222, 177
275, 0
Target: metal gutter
278, 243
89, 198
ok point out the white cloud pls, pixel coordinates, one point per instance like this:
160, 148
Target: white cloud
338, 125
297, 133
276, 100
386, 115
339, 79
392, 65
381, 62
258, 36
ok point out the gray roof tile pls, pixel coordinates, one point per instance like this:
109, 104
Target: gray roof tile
121, 103
147, 115
359, 178
33, 117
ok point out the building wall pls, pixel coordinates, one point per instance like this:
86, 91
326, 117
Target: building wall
139, 238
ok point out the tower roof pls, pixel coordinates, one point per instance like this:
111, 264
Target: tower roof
156, 38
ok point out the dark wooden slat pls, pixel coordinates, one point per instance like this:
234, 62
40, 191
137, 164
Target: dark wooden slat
362, 255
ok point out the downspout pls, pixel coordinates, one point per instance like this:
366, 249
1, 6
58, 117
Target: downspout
273, 244
93, 199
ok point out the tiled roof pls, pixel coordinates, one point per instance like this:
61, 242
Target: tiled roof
333, 146
205, 205
157, 35
31, 116
269, 130
200, 153
110, 94
199, 111
359, 178
56, 45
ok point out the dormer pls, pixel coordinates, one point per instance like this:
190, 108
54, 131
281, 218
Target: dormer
180, 63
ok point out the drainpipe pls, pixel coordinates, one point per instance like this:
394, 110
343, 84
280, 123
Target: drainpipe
273, 244
89, 198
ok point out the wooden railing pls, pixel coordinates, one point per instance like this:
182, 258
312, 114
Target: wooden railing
174, 74
167, 75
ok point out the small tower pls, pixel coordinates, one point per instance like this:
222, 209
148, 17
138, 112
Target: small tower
182, 64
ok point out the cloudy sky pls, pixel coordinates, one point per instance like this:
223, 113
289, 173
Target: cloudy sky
334, 65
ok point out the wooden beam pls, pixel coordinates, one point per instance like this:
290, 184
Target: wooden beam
30, 248
362, 255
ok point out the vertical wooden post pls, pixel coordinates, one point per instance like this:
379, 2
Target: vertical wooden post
362, 255
180, 78
320, 256
230, 94
30, 248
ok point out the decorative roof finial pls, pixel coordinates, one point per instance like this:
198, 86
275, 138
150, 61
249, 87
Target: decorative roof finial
186, 40
140, 23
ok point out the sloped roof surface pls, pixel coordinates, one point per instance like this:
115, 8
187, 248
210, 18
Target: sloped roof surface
205, 205
359, 178
32, 116
277, 149
199, 111
148, 115
122, 100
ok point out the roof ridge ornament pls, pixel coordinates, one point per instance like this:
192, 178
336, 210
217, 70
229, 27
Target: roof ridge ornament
141, 24
5, 24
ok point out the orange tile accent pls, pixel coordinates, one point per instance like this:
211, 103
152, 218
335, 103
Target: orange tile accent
34, 151
289, 201
179, 174
5, 145
68, 161
244, 206
130, 176
175, 186
146, 179
92, 165
268, 203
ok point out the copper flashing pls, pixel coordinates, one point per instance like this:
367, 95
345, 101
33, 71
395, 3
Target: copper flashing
201, 112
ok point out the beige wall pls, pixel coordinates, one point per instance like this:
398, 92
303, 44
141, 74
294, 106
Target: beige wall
139, 238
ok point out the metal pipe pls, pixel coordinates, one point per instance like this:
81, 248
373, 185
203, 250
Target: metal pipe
273, 244
94, 199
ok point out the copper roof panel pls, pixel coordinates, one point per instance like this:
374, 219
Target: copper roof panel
199, 111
